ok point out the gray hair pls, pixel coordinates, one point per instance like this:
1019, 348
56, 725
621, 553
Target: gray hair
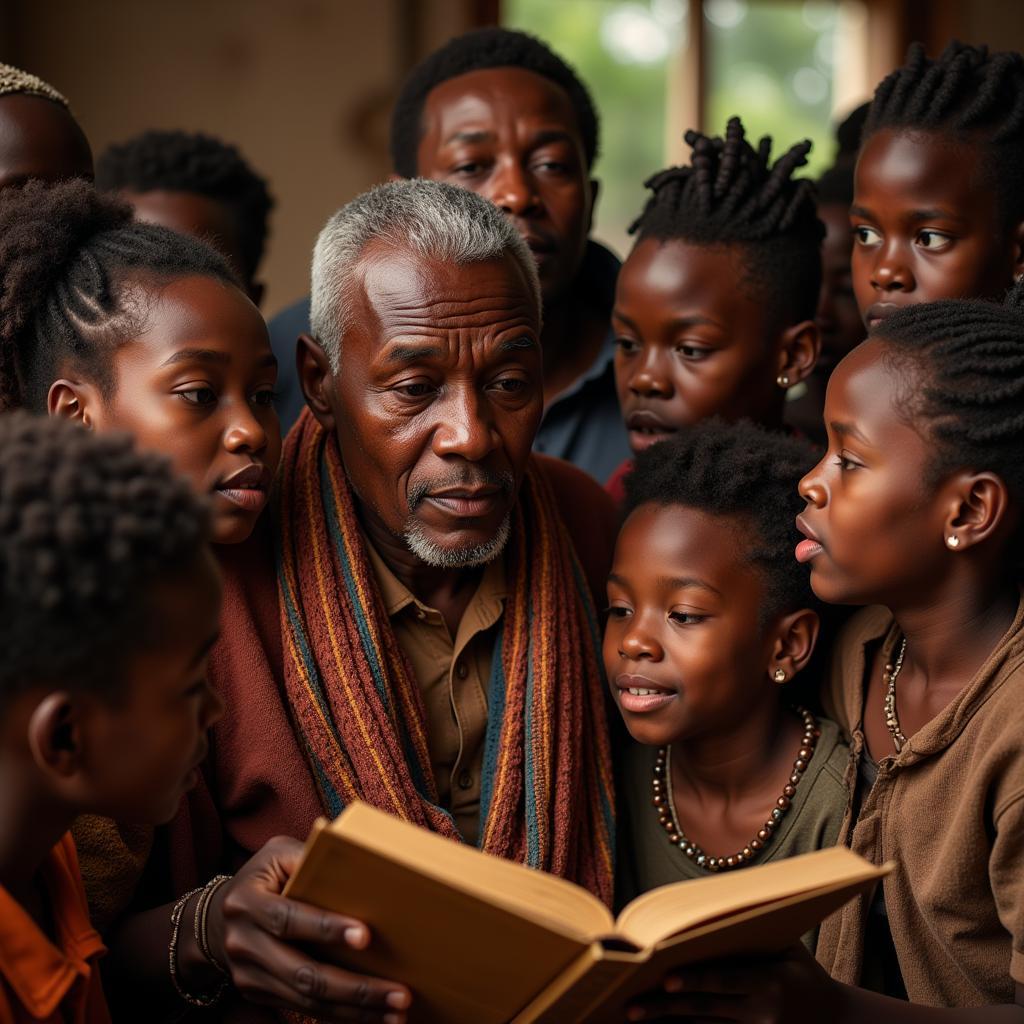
430, 218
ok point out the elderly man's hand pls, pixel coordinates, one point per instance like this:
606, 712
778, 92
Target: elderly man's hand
255, 932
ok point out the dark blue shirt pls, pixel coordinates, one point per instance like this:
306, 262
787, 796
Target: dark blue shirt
582, 425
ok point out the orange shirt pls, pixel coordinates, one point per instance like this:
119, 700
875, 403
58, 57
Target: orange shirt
40, 981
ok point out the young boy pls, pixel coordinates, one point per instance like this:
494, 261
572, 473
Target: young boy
196, 185
110, 605
938, 208
714, 308
710, 620
39, 137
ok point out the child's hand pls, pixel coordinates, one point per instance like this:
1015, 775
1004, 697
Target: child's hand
789, 988
256, 933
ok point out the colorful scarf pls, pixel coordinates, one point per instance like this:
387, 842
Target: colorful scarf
546, 800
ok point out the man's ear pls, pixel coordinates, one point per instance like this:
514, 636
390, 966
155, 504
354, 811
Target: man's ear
316, 379
795, 637
595, 191
799, 348
79, 401
977, 508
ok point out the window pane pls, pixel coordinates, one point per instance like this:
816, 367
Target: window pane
777, 63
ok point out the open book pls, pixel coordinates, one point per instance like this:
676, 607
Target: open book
480, 940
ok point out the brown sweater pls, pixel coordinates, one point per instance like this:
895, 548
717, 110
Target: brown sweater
949, 810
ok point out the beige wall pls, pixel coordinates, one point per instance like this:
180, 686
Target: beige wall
302, 87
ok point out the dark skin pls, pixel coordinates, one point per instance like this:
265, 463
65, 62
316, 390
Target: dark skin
838, 317
197, 385
190, 213
870, 542
512, 136
684, 619
434, 393
130, 754
691, 343
928, 224
436, 396
40, 139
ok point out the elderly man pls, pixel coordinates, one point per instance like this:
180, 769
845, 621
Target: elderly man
498, 112
426, 641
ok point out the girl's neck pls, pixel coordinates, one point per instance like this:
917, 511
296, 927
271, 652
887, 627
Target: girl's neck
951, 634
729, 764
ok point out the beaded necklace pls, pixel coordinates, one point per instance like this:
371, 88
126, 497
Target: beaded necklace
666, 808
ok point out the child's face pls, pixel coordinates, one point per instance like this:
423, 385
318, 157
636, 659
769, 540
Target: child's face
690, 343
40, 139
197, 386
141, 753
873, 526
838, 317
926, 225
684, 622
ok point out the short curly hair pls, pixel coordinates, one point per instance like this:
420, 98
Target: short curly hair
87, 524
197, 163
70, 258
481, 50
747, 474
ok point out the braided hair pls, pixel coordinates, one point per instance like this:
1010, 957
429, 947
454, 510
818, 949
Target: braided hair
731, 195
970, 95
15, 82
72, 263
197, 163
747, 474
966, 381
87, 524
481, 50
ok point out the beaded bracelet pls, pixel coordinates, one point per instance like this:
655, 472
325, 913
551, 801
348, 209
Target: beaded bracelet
172, 957
200, 916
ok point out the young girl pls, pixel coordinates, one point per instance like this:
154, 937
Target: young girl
710, 619
123, 326
127, 326
110, 603
714, 308
938, 208
916, 509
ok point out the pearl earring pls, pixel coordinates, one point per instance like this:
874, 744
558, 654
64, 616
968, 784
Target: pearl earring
953, 541
782, 380
779, 676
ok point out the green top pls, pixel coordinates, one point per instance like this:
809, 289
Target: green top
647, 859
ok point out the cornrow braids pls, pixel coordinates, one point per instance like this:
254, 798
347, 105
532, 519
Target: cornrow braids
480, 50
87, 524
197, 163
72, 262
966, 382
747, 474
732, 195
968, 94
14, 81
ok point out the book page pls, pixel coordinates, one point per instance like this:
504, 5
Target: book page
676, 908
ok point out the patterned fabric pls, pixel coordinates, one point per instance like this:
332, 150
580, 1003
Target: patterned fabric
547, 797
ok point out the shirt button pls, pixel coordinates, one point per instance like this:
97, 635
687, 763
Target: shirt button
461, 670
465, 780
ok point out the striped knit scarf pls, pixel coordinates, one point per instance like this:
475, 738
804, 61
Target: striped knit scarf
546, 800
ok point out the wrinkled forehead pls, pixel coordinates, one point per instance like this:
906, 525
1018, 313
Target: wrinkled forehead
399, 291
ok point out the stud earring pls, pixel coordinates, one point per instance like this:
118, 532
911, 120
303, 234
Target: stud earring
782, 380
953, 541
779, 675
